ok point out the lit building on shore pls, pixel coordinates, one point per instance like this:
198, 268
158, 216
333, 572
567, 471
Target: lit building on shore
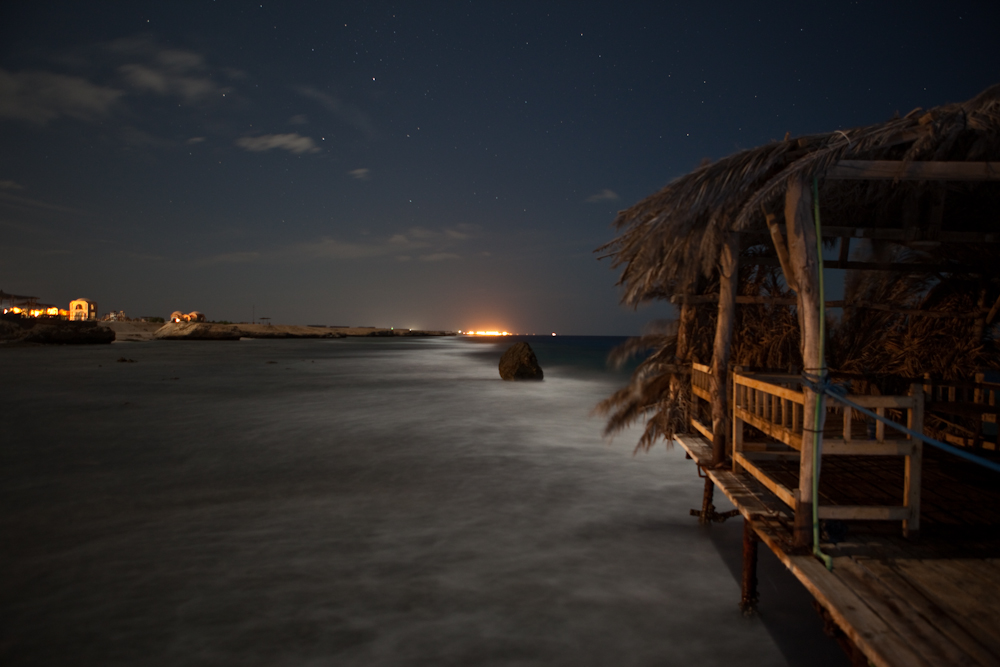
82, 309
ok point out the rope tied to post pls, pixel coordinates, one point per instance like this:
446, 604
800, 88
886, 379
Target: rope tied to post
839, 393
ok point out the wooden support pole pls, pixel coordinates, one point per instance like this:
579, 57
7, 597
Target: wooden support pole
749, 596
913, 464
728, 277
804, 260
707, 502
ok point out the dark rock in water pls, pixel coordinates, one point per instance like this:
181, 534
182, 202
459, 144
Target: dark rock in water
53, 332
519, 363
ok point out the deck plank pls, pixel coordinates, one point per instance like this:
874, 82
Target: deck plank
935, 645
931, 602
743, 498
963, 599
879, 641
938, 617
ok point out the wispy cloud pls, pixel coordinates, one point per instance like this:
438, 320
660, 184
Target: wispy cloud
40, 97
603, 195
439, 257
170, 72
194, 140
461, 232
10, 185
230, 258
164, 81
328, 248
293, 143
16, 201
362, 174
348, 113
416, 243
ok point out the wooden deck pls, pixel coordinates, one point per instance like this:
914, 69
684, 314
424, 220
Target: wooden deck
934, 601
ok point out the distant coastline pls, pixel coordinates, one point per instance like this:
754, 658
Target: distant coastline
31, 331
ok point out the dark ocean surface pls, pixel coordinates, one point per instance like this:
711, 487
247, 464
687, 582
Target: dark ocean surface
358, 502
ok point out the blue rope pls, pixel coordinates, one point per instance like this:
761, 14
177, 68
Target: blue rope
839, 393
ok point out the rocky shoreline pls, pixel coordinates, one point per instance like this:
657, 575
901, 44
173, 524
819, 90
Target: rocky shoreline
31, 331
53, 332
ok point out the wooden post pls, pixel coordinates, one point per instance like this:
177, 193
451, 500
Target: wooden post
685, 327
728, 277
805, 263
913, 464
749, 597
737, 424
707, 502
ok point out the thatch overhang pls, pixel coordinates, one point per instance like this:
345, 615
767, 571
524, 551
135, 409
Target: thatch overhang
673, 237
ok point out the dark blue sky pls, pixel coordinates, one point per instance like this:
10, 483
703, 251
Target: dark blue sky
425, 165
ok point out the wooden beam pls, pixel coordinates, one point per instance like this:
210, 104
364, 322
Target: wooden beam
898, 267
777, 488
701, 428
767, 387
695, 299
914, 171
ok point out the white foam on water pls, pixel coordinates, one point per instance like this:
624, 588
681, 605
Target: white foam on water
353, 503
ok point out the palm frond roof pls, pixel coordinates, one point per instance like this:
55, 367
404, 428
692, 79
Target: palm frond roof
670, 238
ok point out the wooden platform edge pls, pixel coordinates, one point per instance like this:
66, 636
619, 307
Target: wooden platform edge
847, 610
725, 480
879, 642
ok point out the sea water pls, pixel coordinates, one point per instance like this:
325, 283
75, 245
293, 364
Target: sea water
358, 502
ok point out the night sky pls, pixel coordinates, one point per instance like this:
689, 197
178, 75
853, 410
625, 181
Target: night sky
440, 165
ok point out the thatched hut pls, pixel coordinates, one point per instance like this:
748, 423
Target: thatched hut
920, 198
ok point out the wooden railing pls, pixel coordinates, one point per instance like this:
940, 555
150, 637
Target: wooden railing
701, 376
773, 404
963, 413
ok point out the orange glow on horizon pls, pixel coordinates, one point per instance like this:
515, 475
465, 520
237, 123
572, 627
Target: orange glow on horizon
485, 333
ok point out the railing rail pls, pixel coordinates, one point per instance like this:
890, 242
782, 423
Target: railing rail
774, 403
964, 413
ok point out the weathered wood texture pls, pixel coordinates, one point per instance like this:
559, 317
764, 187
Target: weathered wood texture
802, 250
728, 277
904, 611
900, 603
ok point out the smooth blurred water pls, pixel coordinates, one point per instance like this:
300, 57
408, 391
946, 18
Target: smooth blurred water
357, 502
